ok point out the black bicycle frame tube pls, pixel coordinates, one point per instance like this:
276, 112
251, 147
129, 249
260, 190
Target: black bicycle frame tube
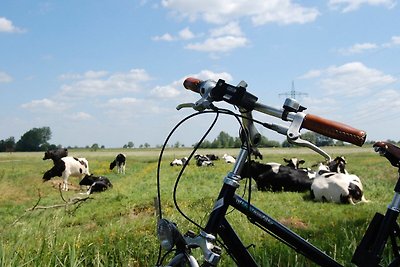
282, 232
226, 193
218, 225
387, 227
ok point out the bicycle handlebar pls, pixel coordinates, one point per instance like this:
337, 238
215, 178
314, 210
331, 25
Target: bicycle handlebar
192, 84
329, 128
334, 129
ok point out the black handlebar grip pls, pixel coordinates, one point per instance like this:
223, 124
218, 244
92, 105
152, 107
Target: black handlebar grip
192, 84
334, 129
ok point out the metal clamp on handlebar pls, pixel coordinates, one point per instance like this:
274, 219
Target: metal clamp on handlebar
294, 137
235, 95
291, 105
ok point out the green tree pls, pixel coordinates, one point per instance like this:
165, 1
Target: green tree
94, 147
131, 144
268, 143
287, 144
35, 139
310, 136
318, 139
223, 140
7, 145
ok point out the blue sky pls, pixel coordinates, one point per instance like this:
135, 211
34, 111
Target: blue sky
110, 72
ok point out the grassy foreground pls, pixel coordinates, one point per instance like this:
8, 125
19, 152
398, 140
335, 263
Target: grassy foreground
118, 227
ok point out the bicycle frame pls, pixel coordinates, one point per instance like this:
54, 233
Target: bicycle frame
218, 224
368, 253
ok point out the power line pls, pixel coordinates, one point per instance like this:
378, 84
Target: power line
293, 93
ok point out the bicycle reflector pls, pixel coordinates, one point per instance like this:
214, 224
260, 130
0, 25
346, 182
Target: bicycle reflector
166, 232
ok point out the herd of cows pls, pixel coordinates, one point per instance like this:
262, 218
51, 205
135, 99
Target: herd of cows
65, 166
330, 182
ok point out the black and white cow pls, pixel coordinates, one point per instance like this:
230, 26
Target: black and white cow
212, 157
55, 154
338, 188
229, 159
96, 183
66, 167
294, 162
202, 160
276, 177
178, 162
120, 162
338, 165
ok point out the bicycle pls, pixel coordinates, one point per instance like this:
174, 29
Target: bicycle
382, 228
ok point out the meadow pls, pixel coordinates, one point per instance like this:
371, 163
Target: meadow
118, 227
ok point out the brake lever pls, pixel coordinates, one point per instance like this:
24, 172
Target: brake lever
185, 105
294, 137
200, 105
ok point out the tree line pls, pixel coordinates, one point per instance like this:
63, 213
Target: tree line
37, 139
224, 140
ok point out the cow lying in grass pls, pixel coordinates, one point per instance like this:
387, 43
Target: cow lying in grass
66, 167
277, 177
96, 183
203, 160
178, 162
338, 188
229, 159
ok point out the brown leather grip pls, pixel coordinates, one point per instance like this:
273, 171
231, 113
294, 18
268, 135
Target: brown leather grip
192, 84
334, 129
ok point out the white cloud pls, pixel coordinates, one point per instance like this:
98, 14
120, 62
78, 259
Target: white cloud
121, 102
231, 28
219, 44
165, 37
207, 74
352, 5
165, 92
394, 41
129, 108
87, 75
353, 79
176, 89
184, 34
79, 116
93, 84
284, 12
358, 48
311, 74
5, 78
44, 105
222, 39
259, 11
7, 26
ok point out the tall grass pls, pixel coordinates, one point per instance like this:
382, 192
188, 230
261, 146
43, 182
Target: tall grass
117, 227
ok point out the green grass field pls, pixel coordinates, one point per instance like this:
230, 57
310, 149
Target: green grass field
118, 227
